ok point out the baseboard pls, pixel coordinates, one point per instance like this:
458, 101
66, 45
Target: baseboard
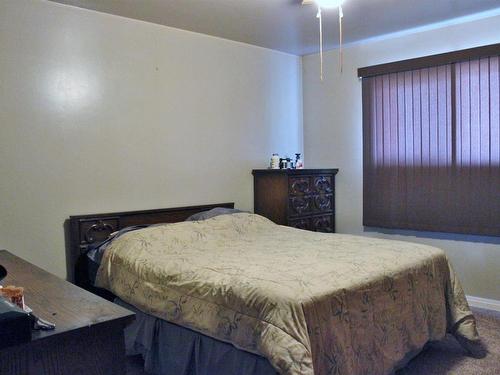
484, 303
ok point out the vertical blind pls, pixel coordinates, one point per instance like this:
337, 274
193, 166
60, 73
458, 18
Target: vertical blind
432, 148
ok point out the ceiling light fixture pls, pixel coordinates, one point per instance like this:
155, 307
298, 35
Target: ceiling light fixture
327, 4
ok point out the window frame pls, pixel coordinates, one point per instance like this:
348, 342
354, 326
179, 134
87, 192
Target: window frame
434, 61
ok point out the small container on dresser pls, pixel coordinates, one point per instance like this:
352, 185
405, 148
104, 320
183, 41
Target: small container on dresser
299, 198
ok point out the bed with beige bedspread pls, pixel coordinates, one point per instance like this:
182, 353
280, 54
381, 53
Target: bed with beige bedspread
310, 303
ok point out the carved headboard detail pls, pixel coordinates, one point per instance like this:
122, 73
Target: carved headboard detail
100, 226
90, 229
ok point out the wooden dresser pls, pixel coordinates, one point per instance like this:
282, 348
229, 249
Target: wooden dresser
299, 198
88, 339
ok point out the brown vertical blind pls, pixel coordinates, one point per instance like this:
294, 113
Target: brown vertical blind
432, 148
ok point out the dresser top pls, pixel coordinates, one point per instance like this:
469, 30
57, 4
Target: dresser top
58, 301
295, 172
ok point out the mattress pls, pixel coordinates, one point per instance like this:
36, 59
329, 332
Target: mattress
311, 303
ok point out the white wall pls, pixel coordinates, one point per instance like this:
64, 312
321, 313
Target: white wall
101, 113
333, 138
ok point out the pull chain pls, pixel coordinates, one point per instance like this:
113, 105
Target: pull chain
341, 55
320, 42
341, 52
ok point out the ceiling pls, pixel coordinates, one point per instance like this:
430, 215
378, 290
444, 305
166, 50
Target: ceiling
285, 25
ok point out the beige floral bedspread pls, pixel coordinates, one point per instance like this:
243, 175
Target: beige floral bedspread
311, 303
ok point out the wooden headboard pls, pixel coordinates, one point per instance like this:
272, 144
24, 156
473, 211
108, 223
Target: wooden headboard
85, 230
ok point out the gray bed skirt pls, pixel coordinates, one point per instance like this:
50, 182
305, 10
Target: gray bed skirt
169, 349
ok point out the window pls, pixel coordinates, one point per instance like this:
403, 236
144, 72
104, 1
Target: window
431, 129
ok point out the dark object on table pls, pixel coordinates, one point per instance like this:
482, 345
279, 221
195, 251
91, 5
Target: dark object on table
38, 323
42, 325
299, 198
286, 163
3, 272
15, 325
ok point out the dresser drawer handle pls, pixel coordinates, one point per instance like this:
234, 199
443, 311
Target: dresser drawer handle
300, 186
323, 202
323, 184
300, 224
323, 224
299, 205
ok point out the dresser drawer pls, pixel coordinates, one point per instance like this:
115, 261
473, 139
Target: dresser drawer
322, 184
299, 185
323, 223
299, 205
322, 203
300, 223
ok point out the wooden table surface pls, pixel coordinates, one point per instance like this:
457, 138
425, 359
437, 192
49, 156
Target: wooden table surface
88, 339
69, 307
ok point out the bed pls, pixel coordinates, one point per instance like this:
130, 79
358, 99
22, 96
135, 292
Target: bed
309, 303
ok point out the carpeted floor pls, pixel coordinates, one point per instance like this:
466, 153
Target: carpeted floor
442, 358
448, 358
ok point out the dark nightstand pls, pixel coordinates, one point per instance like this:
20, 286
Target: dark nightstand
88, 339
